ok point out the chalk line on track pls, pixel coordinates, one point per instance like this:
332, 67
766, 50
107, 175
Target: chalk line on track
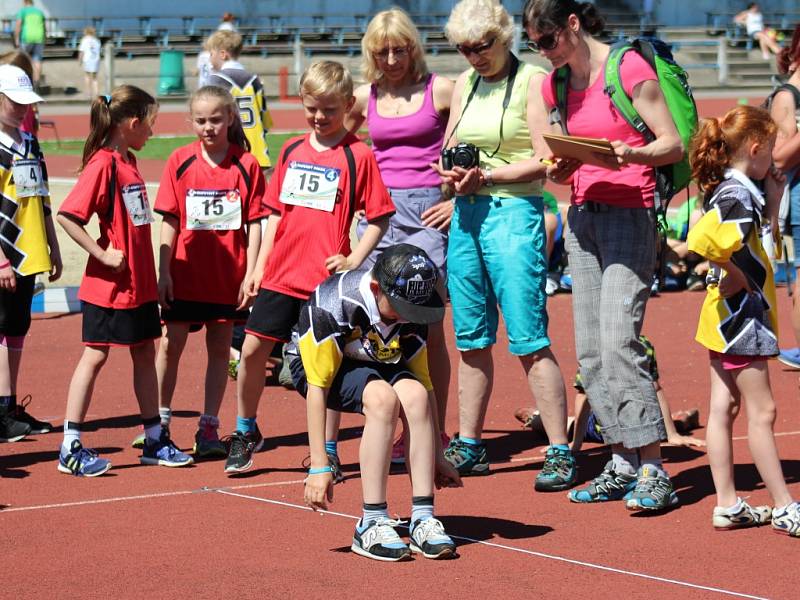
555, 557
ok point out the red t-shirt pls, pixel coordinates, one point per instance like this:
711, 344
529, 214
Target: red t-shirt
136, 284
212, 205
306, 237
590, 113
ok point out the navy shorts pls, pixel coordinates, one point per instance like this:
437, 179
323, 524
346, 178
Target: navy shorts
347, 389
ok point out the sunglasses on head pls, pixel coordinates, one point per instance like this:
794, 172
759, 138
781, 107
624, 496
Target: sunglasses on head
547, 42
478, 49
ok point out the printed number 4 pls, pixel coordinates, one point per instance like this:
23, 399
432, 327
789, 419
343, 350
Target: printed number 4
246, 110
313, 182
33, 175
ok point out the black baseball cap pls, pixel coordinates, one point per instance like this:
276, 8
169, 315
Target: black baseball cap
408, 277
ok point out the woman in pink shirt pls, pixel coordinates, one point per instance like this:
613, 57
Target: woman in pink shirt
611, 244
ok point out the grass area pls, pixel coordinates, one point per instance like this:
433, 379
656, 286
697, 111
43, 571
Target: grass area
157, 148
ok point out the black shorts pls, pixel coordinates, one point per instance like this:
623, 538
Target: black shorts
273, 315
347, 389
103, 326
199, 313
15, 307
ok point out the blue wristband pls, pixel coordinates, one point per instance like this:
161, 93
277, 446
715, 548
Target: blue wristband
320, 470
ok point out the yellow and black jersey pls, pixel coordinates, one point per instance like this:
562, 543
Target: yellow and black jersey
745, 324
23, 236
247, 90
341, 320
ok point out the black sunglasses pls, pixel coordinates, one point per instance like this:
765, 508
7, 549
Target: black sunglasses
479, 49
547, 42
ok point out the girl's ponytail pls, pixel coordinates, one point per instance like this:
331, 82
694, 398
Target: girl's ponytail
108, 111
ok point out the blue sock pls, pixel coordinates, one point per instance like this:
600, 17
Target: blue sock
421, 508
245, 425
331, 447
563, 447
470, 441
373, 512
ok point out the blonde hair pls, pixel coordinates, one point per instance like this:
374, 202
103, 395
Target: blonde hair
326, 78
89, 30
475, 20
236, 133
230, 41
391, 26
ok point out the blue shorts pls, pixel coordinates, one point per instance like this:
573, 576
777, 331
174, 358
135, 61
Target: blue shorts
35, 51
496, 256
794, 217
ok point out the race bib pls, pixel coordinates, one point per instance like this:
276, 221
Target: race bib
213, 209
310, 185
28, 178
135, 198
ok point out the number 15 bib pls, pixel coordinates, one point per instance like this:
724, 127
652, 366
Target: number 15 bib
213, 209
309, 185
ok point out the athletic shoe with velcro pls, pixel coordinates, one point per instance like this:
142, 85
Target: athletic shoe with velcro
23, 416
740, 515
559, 471
786, 520
164, 452
468, 459
242, 447
380, 541
429, 539
609, 485
654, 491
81, 461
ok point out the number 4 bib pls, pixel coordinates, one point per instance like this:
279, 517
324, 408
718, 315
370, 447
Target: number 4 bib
28, 178
309, 185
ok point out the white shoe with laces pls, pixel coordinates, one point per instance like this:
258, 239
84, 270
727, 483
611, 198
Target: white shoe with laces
380, 541
786, 520
740, 515
429, 539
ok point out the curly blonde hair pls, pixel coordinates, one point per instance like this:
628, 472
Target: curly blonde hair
475, 20
391, 27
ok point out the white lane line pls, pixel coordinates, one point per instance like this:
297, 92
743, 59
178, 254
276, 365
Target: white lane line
555, 557
144, 496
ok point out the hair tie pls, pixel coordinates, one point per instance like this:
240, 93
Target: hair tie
106, 98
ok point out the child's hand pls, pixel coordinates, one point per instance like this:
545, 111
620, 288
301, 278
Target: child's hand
113, 258
774, 183
165, 291
57, 266
337, 262
244, 298
685, 440
8, 280
251, 285
446, 474
318, 489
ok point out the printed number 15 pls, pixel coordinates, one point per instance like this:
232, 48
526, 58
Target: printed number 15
312, 180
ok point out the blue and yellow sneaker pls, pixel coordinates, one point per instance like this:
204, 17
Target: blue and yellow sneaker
81, 461
429, 539
468, 459
164, 452
559, 471
379, 540
653, 491
607, 486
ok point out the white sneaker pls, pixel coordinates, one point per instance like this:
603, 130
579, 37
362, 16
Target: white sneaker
429, 539
787, 519
740, 515
380, 541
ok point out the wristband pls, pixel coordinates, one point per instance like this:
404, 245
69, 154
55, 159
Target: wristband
5, 264
320, 470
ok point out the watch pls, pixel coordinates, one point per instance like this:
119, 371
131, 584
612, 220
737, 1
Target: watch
487, 177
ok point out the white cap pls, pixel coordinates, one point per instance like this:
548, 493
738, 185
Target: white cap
15, 84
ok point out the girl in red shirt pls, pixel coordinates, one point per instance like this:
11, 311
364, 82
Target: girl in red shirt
118, 291
211, 200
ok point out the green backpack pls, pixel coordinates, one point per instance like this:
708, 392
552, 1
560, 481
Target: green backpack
674, 83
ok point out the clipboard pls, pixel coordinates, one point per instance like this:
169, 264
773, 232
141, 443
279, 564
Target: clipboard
580, 148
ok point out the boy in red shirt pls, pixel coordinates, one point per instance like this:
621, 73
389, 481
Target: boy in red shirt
321, 180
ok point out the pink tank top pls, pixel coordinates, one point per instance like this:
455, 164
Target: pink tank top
405, 146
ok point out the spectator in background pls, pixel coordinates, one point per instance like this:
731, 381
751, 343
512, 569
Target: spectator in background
89, 57
203, 66
29, 36
753, 21
228, 23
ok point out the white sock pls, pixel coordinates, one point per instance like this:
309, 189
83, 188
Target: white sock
70, 435
626, 461
166, 415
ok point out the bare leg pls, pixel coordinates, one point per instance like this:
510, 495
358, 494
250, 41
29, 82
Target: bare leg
9, 370
439, 367
381, 408
418, 423
547, 386
168, 357
250, 382
145, 380
724, 403
81, 385
218, 343
475, 379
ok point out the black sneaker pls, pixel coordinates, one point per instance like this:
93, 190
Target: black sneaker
22, 415
12, 430
242, 447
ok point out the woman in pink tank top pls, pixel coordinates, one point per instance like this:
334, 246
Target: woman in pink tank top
406, 109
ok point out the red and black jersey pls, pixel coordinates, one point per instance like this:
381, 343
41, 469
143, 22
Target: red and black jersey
113, 189
213, 205
306, 237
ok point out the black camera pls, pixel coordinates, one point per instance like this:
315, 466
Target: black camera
461, 155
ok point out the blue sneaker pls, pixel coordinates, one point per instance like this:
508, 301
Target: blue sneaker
607, 486
654, 491
164, 452
559, 471
468, 459
82, 462
379, 541
790, 357
429, 539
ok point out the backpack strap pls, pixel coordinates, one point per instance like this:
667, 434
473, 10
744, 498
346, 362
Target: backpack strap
351, 179
616, 91
558, 114
112, 189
